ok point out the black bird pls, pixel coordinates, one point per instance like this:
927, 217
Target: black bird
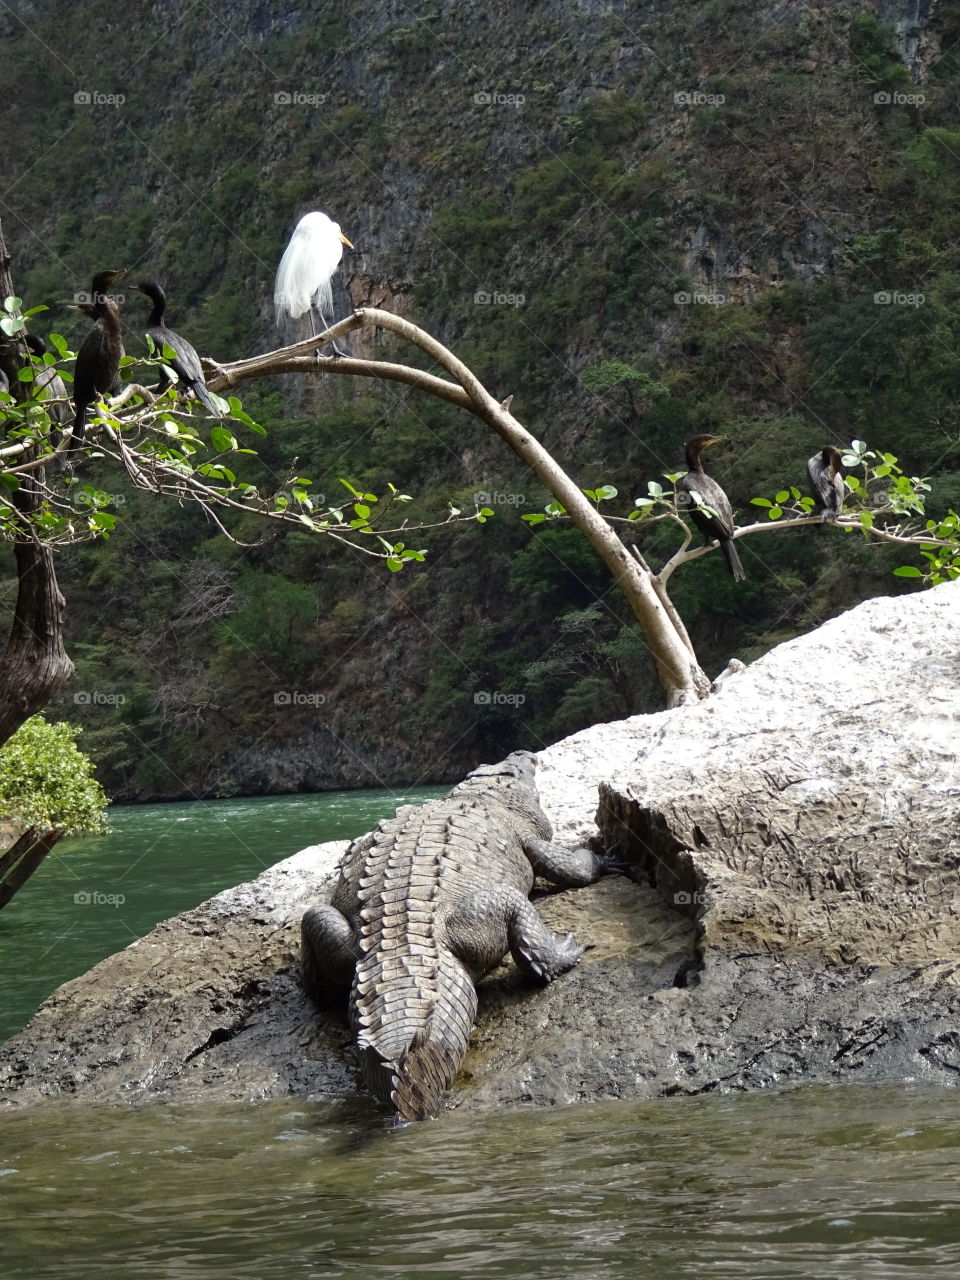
4, 381
826, 483
97, 371
186, 365
720, 524
47, 379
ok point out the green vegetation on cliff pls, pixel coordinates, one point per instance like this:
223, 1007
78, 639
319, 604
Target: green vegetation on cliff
641, 222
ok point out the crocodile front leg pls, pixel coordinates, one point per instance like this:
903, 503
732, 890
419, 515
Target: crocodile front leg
329, 954
569, 868
487, 924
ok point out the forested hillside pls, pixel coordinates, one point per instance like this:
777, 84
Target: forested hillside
642, 220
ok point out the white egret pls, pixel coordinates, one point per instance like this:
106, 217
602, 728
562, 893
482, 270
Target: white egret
306, 269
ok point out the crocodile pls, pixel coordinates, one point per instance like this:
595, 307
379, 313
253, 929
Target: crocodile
426, 904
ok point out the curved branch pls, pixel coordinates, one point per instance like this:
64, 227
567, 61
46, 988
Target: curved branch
847, 523
301, 357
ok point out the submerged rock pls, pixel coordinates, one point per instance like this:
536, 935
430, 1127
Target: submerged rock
794, 913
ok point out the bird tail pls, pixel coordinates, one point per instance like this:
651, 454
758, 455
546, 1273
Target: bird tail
79, 426
733, 559
206, 399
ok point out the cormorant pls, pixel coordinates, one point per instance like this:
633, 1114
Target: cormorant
826, 483
719, 525
4, 382
97, 371
186, 365
47, 379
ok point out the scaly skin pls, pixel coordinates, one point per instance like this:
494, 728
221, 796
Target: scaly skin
426, 904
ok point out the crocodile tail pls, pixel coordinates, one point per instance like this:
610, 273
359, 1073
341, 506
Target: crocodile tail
413, 1066
421, 1076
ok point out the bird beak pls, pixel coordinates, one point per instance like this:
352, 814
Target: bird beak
714, 440
345, 240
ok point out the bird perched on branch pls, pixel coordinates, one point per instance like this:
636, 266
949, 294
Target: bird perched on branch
826, 483
717, 522
97, 371
186, 364
306, 269
47, 379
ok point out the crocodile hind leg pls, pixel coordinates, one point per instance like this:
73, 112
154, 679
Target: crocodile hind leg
487, 924
329, 954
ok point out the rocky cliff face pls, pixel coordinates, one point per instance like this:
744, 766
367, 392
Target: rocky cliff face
792, 916
689, 188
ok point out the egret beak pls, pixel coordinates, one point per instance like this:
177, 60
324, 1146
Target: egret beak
345, 240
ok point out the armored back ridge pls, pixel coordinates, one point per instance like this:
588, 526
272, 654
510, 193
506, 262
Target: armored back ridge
423, 906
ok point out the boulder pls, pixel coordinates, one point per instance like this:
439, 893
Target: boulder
791, 913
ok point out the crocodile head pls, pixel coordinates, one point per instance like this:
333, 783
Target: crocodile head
519, 766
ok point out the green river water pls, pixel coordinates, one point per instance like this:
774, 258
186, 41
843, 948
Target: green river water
817, 1182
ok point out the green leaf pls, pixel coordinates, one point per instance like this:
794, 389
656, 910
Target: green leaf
11, 326
347, 485
591, 494
643, 502
486, 511
908, 571
394, 564
775, 513
761, 502
223, 441
782, 497
362, 511
25, 374
60, 343
534, 519
12, 303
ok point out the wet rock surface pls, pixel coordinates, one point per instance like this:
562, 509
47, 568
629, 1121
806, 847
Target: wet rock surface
791, 913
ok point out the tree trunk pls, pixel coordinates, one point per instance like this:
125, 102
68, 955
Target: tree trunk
20, 861
34, 665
